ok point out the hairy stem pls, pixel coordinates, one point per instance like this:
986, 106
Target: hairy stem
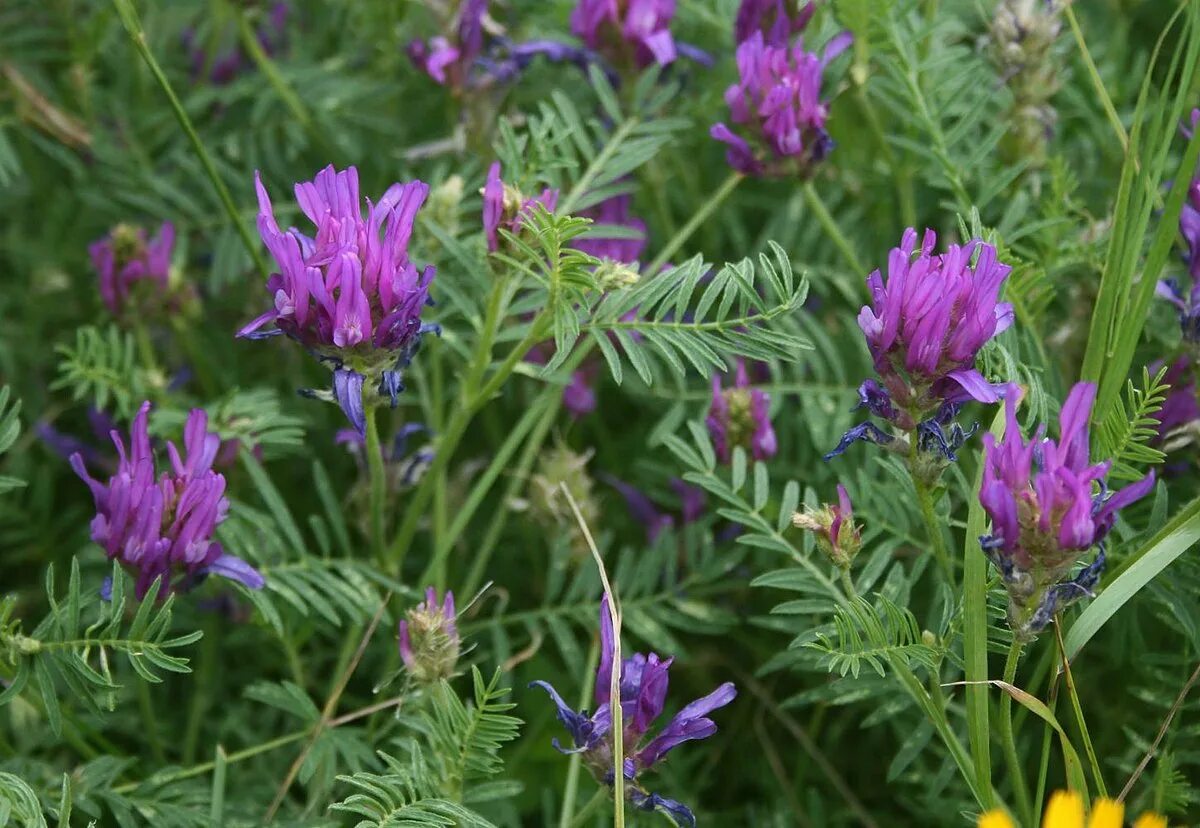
698, 218
448, 441
566, 817
129, 17
831, 227
378, 483
1015, 771
933, 530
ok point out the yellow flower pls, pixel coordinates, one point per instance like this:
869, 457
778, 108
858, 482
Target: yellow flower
1066, 811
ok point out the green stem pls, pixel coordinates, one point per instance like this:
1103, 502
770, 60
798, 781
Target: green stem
449, 439
204, 685
552, 398
1083, 728
283, 89
693, 224
129, 17
1110, 111
590, 808
929, 516
1015, 771
378, 483
205, 767
831, 228
848, 584
150, 721
570, 790
543, 409
589, 175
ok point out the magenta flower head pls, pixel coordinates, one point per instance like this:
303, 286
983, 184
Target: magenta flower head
620, 29
1045, 511
505, 207
771, 17
777, 103
429, 642
128, 264
643, 694
740, 416
924, 328
465, 57
350, 294
164, 527
837, 534
449, 62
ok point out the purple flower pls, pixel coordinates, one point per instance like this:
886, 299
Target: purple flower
643, 693
506, 207
465, 60
349, 293
125, 257
637, 31
1045, 512
646, 512
740, 416
692, 500
924, 328
837, 535
429, 641
449, 63
579, 397
164, 527
772, 19
777, 102
613, 212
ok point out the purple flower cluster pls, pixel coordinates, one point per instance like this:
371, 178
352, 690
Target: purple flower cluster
429, 640
740, 416
643, 694
646, 512
772, 19
126, 257
777, 103
164, 527
350, 293
506, 207
615, 28
924, 329
1044, 511
466, 59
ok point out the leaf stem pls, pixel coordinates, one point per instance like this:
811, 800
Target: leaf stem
129, 17
693, 224
831, 228
378, 482
1097, 777
1005, 725
448, 441
929, 516
566, 817
150, 721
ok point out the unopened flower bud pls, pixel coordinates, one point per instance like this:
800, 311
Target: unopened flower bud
429, 642
837, 534
611, 275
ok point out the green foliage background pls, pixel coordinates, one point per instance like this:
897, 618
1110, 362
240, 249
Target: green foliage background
287, 705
